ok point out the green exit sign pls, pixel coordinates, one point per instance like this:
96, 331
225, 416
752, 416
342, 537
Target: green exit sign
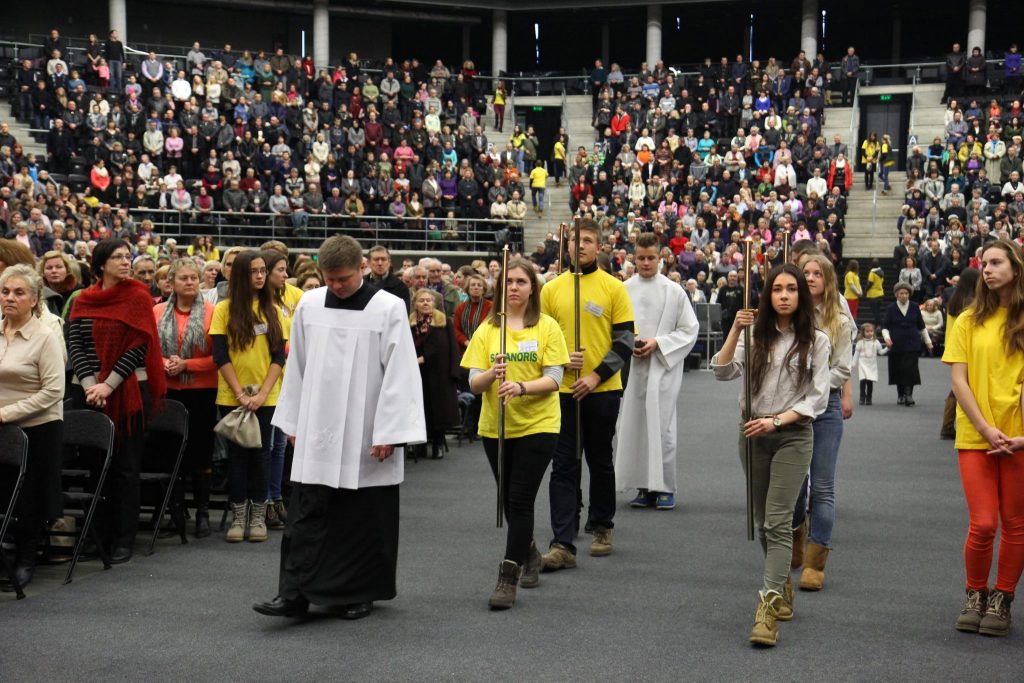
885, 98
538, 108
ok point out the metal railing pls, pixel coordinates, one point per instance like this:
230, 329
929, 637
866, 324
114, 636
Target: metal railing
426, 234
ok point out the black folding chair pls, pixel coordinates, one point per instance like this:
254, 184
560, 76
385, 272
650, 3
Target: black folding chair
13, 456
88, 450
166, 437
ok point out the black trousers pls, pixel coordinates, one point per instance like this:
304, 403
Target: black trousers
202, 418
526, 460
598, 415
867, 388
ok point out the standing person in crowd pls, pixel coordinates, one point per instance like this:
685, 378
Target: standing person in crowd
886, 160
903, 332
438, 356
876, 290
852, 290
827, 428
351, 403
959, 301
526, 379
869, 152
383, 277
58, 278
666, 327
986, 354
114, 350
249, 334
866, 350
469, 314
498, 104
183, 322
790, 378
31, 391
538, 185
850, 66
606, 344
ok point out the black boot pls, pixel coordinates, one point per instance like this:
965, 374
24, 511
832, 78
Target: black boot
910, 397
24, 559
201, 497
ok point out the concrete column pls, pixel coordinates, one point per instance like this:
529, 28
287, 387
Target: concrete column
809, 20
977, 12
499, 43
119, 19
653, 35
321, 34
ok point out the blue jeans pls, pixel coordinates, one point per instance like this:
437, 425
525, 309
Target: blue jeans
883, 175
538, 197
828, 432
116, 74
277, 445
249, 468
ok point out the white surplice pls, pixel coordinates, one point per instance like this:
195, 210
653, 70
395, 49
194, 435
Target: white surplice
645, 455
351, 382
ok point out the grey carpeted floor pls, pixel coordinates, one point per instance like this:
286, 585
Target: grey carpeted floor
674, 601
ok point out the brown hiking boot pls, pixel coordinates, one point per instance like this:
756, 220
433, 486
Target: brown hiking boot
602, 543
812, 578
974, 608
504, 595
766, 630
799, 539
996, 621
531, 570
273, 521
558, 557
784, 608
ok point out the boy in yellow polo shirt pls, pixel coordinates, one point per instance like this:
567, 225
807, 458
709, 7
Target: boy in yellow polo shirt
538, 183
606, 340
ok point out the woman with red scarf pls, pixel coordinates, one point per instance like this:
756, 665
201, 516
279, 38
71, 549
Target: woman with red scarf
114, 351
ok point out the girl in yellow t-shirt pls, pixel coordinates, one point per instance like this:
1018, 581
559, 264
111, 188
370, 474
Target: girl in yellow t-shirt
986, 353
527, 380
249, 335
876, 281
852, 291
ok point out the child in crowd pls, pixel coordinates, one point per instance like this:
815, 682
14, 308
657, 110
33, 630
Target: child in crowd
866, 350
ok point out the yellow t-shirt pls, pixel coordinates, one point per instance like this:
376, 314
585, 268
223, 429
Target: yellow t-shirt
499, 97
875, 290
603, 303
518, 140
559, 152
538, 177
251, 365
291, 297
852, 279
994, 376
529, 350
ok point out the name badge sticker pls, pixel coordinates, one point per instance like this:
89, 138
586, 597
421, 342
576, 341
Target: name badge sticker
260, 328
593, 309
527, 346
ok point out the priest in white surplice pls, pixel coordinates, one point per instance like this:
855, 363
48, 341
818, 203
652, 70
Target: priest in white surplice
645, 454
351, 399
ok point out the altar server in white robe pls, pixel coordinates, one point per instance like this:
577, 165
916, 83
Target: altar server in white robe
645, 455
351, 399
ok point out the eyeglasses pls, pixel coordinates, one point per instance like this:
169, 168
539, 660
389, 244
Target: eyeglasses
258, 271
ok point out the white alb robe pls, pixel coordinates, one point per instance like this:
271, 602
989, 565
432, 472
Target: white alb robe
351, 382
645, 455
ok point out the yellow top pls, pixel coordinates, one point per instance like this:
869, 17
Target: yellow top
528, 350
517, 140
559, 152
291, 297
538, 177
995, 377
851, 286
875, 289
499, 97
603, 303
251, 365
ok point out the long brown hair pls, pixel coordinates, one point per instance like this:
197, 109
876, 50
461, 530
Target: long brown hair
242, 319
986, 301
531, 316
766, 331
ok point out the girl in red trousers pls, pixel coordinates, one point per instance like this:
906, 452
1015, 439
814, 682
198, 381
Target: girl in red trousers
985, 349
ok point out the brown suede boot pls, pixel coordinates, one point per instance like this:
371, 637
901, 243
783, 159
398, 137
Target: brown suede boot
504, 595
812, 578
799, 539
948, 430
766, 630
531, 570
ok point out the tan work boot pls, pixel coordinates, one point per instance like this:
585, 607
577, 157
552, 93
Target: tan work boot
258, 523
236, 532
812, 578
531, 570
558, 557
602, 543
799, 539
504, 595
974, 608
784, 609
766, 630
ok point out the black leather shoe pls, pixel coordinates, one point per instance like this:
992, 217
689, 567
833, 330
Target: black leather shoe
23, 574
357, 611
910, 402
202, 525
283, 607
120, 555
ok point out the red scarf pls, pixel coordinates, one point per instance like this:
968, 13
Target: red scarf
123, 319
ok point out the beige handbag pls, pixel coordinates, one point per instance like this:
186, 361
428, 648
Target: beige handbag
240, 425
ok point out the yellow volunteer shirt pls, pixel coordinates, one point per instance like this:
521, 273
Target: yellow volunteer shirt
291, 297
251, 365
559, 151
538, 177
850, 280
995, 377
528, 350
875, 290
603, 303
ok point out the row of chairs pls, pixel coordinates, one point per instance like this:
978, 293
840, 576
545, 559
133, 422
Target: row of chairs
88, 448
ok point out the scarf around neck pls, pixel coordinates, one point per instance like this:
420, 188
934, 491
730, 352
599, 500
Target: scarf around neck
194, 340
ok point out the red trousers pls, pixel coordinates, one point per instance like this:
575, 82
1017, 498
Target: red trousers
994, 488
